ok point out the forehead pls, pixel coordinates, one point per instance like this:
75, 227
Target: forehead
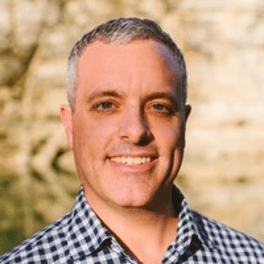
139, 63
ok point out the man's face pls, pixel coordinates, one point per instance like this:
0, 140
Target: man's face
127, 128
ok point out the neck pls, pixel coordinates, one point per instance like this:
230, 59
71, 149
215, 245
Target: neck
145, 233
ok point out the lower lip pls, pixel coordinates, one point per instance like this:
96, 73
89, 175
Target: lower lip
138, 167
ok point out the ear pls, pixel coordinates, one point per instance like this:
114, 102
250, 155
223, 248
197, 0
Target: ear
188, 109
187, 112
66, 116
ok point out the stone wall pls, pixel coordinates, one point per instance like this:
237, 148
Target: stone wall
223, 42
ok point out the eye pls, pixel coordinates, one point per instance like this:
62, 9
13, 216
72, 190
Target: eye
161, 108
105, 105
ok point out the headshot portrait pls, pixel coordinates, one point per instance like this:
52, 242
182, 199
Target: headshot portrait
132, 138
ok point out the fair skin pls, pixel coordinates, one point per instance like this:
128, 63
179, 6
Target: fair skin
127, 135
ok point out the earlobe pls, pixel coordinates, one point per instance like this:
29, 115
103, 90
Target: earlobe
66, 119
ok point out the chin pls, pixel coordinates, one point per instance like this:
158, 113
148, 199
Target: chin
136, 204
133, 197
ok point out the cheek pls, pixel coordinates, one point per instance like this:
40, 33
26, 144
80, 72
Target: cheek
168, 137
93, 135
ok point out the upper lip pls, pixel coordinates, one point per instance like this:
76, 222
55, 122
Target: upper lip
134, 155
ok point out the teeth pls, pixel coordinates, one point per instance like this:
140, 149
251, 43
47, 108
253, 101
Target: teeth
131, 161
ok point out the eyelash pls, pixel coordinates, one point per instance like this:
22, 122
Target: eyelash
165, 109
99, 106
106, 104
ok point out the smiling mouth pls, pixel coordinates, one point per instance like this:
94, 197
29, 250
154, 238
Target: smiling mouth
131, 160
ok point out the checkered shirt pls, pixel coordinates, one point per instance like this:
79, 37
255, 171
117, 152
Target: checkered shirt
81, 238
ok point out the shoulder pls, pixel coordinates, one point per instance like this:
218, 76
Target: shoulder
229, 241
50, 243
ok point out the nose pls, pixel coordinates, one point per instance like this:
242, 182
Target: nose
134, 128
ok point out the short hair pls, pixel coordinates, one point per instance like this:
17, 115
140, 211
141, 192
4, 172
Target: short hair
124, 30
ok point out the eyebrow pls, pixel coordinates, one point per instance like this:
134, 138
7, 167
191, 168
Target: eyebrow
114, 93
99, 94
163, 95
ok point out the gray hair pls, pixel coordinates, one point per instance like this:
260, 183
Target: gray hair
124, 30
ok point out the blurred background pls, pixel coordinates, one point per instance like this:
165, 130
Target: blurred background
223, 43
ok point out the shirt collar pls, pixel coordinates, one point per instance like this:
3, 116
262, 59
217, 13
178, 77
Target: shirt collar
190, 230
87, 234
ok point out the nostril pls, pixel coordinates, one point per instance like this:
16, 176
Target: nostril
145, 139
134, 128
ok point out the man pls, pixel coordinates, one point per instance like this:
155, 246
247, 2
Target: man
126, 127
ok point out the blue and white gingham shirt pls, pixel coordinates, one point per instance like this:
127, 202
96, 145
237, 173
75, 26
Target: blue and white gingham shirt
81, 238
